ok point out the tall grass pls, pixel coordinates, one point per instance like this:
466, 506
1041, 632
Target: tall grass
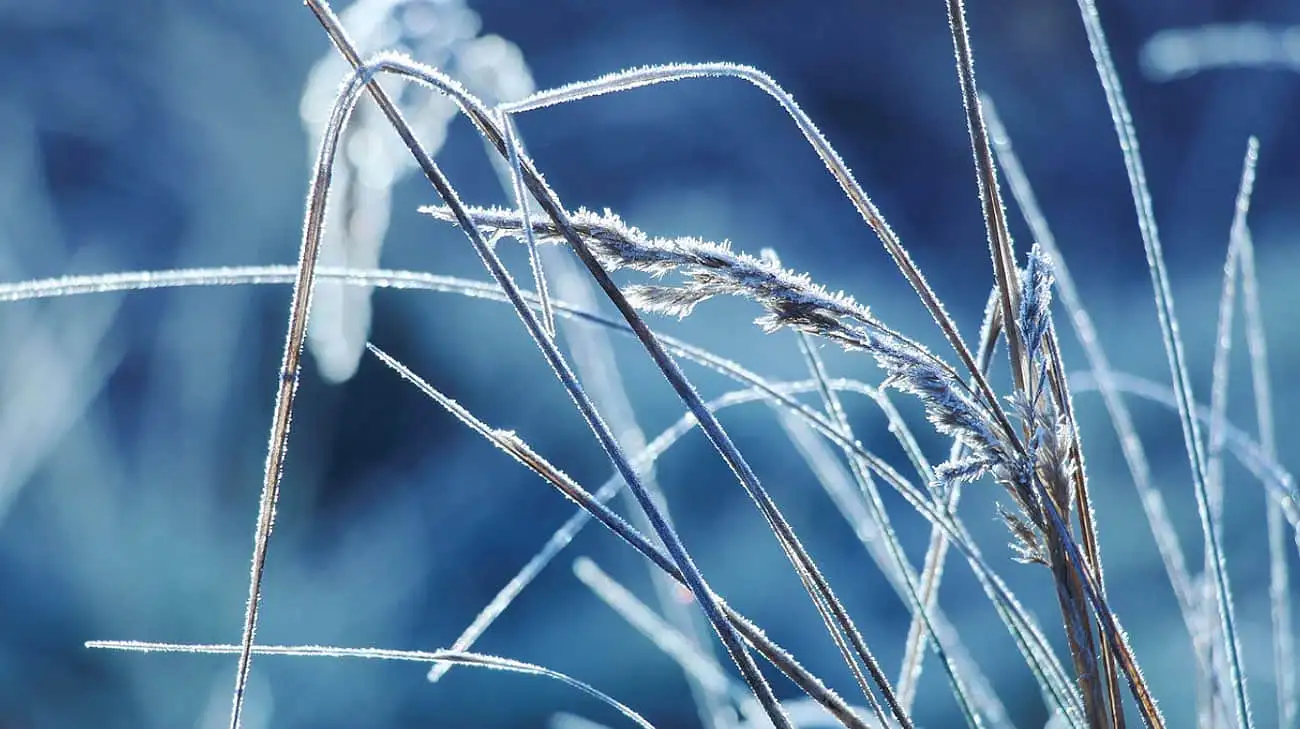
1024, 435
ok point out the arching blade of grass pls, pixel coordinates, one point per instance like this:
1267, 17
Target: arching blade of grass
286, 390
384, 654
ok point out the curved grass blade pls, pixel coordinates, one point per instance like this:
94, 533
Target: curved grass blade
385, 654
286, 389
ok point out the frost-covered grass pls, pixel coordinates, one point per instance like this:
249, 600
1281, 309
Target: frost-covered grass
1024, 435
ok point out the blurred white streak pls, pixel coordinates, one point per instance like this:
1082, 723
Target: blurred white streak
443, 34
1182, 52
51, 367
565, 720
258, 706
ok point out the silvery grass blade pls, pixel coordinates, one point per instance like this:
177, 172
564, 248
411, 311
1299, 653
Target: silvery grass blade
1178, 53
487, 126
523, 205
287, 388
1221, 371
517, 449
1022, 628
670, 73
1211, 530
363, 79
478, 660
1279, 579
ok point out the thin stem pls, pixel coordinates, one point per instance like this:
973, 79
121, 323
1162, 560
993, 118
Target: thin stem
521, 202
287, 388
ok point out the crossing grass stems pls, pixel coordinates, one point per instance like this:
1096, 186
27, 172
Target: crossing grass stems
1026, 440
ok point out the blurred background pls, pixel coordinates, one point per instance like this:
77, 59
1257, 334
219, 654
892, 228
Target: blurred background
157, 134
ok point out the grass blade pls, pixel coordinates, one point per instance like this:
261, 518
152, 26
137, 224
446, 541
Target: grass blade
1279, 579
385, 654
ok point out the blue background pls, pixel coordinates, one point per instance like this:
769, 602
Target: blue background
149, 134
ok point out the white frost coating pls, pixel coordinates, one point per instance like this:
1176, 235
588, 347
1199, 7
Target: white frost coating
441, 33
